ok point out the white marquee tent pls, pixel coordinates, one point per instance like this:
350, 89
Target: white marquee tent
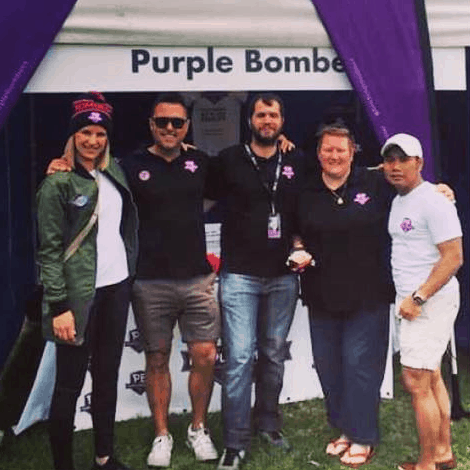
112, 29
262, 23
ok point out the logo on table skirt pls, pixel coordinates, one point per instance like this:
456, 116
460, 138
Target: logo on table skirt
288, 172
219, 366
86, 407
406, 225
190, 165
137, 382
135, 341
361, 198
144, 175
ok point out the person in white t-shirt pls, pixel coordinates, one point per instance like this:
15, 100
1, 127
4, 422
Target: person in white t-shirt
216, 118
426, 254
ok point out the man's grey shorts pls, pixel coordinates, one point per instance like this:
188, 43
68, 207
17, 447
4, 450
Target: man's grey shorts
159, 303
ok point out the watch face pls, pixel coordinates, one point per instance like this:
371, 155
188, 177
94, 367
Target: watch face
418, 300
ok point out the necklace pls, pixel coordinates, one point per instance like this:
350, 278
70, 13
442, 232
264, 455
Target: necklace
338, 195
339, 198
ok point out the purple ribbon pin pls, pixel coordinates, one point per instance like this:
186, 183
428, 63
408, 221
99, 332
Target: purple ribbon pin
406, 225
190, 166
361, 198
95, 117
288, 171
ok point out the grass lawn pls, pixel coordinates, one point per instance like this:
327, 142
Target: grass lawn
305, 425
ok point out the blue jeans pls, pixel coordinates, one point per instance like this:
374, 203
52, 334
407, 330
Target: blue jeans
257, 313
350, 356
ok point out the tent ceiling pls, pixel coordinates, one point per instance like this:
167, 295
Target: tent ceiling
241, 23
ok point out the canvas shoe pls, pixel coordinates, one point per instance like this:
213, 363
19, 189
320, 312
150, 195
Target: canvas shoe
160, 455
231, 459
200, 441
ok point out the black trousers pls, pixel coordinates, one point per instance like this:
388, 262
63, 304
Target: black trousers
101, 352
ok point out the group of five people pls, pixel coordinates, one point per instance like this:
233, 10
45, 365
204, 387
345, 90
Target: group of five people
280, 218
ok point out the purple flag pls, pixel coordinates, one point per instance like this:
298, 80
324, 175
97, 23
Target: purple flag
384, 46
27, 29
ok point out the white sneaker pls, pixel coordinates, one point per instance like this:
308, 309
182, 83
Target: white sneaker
200, 441
160, 455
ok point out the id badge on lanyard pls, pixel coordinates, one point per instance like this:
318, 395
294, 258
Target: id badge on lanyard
274, 226
274, 219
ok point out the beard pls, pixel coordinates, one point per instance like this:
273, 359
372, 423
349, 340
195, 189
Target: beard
265, 141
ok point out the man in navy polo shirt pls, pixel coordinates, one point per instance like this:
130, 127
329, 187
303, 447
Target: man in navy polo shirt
174, 279
258, 185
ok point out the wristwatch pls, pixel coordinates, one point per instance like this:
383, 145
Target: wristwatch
417, 299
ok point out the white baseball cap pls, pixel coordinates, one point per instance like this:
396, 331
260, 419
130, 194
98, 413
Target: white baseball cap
408, 143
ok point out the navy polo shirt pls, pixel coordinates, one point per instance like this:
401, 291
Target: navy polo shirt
348, 241
169, 199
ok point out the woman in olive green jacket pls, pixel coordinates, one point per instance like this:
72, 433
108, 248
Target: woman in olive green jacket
86, 281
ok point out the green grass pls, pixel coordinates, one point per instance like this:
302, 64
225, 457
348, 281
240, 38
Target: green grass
305, 425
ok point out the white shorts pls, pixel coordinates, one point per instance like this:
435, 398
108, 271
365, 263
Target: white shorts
423, 341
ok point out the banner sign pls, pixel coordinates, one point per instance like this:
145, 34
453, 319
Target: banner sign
27, 30
121, 68
66, 68
386, 54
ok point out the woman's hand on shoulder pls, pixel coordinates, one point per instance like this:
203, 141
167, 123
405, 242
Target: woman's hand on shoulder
446, 191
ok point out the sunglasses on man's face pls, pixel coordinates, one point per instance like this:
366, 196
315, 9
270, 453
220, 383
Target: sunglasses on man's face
162, 122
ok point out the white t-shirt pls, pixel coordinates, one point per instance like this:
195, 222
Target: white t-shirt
111, 264
418, 222
216, 122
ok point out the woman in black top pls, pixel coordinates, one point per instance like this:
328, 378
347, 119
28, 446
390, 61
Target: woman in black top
343, 214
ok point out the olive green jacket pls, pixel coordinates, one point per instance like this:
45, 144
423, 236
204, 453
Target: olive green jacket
66, 201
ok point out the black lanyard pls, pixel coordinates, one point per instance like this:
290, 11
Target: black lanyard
271, 191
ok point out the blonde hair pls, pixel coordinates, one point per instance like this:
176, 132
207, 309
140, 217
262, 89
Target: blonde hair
70, 153
337, 128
